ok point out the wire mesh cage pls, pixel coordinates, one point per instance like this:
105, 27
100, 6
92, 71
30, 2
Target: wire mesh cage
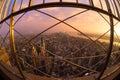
61, 38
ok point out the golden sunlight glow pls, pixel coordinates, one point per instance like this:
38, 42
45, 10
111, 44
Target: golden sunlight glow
118, 31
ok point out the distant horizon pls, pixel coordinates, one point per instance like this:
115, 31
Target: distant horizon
76, 34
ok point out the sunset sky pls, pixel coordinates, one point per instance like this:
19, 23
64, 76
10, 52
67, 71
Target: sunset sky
35, 22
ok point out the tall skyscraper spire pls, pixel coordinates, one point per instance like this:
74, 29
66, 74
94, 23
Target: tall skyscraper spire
43, 48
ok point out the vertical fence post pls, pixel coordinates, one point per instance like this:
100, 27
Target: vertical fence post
9, 8
117, 10
12, 42
43, 1
6, 8
76, 1
101, 4
111, 40
60, 0
30, 3
118, 2
1, 8
112, 6
91, 2
21, 4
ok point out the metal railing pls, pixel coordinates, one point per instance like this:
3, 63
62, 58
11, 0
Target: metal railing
11, 8
7, 5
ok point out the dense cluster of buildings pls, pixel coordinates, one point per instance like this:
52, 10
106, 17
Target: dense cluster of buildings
47, 53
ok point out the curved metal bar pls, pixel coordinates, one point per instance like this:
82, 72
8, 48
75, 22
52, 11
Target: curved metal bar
58, 4
66, 4
60, 21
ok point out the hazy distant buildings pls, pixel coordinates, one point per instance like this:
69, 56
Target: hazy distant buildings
41, 54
